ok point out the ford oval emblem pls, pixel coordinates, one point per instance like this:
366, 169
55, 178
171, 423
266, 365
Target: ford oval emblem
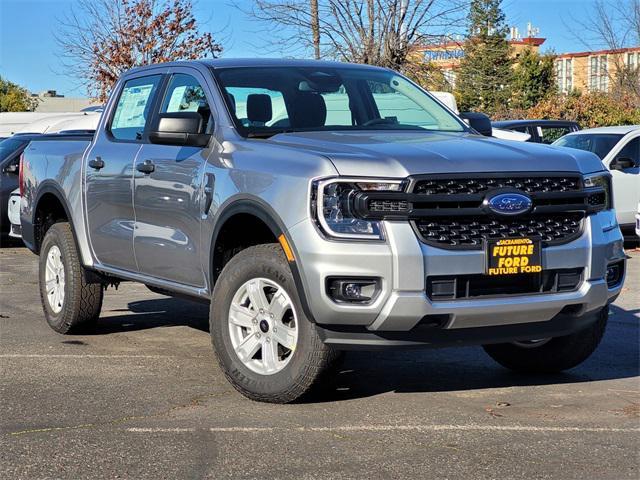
509, 203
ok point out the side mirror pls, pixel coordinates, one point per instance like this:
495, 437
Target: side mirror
622, 164
12, 168
479, 122
180, 128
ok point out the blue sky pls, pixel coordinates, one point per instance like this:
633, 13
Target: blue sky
29, 57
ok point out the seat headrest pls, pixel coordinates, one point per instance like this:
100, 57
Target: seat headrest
309, 110
259, 107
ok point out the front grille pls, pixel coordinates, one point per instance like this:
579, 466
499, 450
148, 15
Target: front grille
454, 211
434, 186
459, 287
470, 231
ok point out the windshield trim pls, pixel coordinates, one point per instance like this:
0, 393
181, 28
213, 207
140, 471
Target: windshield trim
245, 133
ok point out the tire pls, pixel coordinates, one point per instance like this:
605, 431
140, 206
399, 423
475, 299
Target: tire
554, 354
79, 306
285, 374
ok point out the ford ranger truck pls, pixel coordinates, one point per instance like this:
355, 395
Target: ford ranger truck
321, 207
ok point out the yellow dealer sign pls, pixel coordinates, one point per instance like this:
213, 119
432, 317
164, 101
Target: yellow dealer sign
510, 256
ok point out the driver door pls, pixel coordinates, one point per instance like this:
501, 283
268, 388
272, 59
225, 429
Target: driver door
168, 191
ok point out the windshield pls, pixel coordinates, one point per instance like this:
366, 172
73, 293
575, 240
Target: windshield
9, 145
269, 100
598, 143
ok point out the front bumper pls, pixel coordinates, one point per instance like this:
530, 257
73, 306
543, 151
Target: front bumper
403, 262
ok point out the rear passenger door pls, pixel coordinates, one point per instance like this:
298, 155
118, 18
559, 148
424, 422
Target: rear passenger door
168, 200
109, 171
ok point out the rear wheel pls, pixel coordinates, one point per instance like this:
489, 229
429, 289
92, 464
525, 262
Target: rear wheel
264, 343
549, 355
68, 300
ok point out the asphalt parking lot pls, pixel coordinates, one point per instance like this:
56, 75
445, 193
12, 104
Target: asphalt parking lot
143, 398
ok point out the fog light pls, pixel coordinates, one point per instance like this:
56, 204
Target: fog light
614, 274
352, 290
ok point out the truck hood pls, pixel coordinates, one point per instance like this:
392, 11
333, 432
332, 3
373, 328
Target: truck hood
399, 154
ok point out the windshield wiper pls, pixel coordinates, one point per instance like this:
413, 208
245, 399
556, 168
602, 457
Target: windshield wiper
268, 134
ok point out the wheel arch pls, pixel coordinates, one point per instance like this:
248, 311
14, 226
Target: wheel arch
59, 208
258, 210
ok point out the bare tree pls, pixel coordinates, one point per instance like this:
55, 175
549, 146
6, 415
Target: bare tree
613, 25
378, 32
103, 38
315, 29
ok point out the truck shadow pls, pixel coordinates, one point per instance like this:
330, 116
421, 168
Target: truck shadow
154, 313
365, 374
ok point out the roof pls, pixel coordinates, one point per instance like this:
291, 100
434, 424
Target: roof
548, 123
261, 62
617, 130
598, 52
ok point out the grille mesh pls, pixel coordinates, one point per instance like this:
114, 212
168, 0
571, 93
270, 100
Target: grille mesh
478, 185
388, 205
470, 231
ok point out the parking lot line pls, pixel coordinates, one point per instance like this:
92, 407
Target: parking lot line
54, 355
393, 428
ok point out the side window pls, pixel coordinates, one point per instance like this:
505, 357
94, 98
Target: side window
631, 150
185, 94
549, 135
133, 109
338, 109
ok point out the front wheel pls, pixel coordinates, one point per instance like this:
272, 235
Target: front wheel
266, 346
68, 300
551, 355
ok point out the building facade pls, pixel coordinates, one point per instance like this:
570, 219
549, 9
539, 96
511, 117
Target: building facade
593, 71
50, 101
446, 55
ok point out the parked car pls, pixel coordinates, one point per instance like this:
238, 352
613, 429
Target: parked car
76, 121
13, 212
396, 225
10, 150
539, 131
34, 122
638, 221
619, 149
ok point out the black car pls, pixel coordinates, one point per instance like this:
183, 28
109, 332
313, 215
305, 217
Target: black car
10, 150
541, 131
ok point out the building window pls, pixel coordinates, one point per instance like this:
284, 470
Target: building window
568, 75
598, 73
632, 60
564, 75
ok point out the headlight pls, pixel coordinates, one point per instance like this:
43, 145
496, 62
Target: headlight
332, 207
602, 200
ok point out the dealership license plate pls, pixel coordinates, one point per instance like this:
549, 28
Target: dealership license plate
513, 256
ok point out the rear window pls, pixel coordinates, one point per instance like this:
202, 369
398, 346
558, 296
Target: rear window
598, 143
9, 146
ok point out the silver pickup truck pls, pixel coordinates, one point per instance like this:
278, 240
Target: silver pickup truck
320, 207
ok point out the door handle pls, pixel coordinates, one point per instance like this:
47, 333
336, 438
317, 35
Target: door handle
208, 192
146, 167
96, 163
